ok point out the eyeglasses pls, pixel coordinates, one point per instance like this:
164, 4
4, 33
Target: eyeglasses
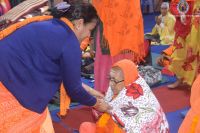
113, 80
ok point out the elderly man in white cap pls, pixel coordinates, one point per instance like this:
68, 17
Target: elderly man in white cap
164, 28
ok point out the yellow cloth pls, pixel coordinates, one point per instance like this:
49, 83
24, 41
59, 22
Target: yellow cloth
165, 29
185, 58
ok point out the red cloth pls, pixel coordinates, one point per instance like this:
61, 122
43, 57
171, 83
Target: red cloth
166, 71
102, 67
181, 29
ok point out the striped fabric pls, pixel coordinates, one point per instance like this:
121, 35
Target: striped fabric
22, 9
13, 3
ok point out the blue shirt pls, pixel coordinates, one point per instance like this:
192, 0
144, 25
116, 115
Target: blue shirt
36, 58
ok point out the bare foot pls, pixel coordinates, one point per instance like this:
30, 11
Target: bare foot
175, 84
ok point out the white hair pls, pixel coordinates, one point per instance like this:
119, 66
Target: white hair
165, 5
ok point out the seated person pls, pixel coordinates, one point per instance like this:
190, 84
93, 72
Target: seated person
134, 106
163, 31
87, 67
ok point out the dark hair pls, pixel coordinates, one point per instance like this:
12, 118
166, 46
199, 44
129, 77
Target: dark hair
77, 10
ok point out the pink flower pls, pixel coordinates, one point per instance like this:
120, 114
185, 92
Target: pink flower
155, 125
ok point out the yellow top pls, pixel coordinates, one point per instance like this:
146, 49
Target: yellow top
165, 29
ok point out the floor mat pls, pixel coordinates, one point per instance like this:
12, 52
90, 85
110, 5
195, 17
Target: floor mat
72, 121
158, 49
172, 99
149, 22
175, 119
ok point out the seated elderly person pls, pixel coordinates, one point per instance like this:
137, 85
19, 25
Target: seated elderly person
163, 32
134, 106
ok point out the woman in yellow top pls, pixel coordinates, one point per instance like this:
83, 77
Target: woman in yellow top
165, 25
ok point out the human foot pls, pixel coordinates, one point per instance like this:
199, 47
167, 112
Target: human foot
175, 84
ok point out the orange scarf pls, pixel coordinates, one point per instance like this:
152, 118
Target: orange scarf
122, 26
129, 70
4, 33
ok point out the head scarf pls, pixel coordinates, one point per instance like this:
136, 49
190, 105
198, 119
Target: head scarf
129, 70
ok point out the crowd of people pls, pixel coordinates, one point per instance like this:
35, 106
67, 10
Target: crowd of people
43, 54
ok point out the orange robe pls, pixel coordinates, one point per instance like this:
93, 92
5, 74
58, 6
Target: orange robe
15, 118
191, 123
